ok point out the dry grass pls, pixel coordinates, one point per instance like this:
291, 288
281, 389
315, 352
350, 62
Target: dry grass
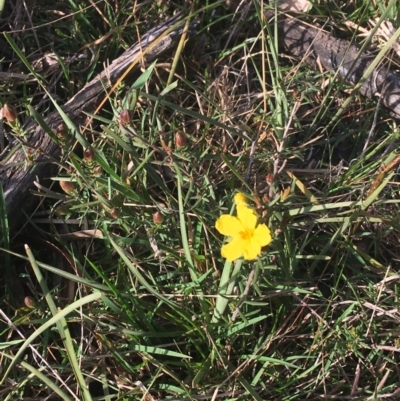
315, 317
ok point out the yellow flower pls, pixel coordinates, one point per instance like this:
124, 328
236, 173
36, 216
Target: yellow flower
247, 238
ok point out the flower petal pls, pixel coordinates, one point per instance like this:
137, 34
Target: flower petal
251, 249
246, 216
262, 234
229, 225
233, 250
240, 198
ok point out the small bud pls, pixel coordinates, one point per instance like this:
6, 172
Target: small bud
158, 218
9, 113
269, 178
285, 194
125, 117
30, 302
266, 198
97, 170
114, 212
62, 210
67, 186
89, 155
62, 130
29, 154
180, 139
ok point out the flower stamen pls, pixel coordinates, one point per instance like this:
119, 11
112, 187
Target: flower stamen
246, 234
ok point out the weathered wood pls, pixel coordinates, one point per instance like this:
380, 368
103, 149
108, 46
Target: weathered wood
18, 181
337, 55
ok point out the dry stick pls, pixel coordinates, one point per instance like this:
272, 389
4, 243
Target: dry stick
16, 180
153, 42
339, 56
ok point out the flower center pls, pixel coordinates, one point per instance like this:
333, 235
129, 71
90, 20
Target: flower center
246, 234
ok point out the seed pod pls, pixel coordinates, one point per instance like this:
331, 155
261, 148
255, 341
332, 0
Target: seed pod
67, 186
180, 139
125, 117
9, 113
158, 218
